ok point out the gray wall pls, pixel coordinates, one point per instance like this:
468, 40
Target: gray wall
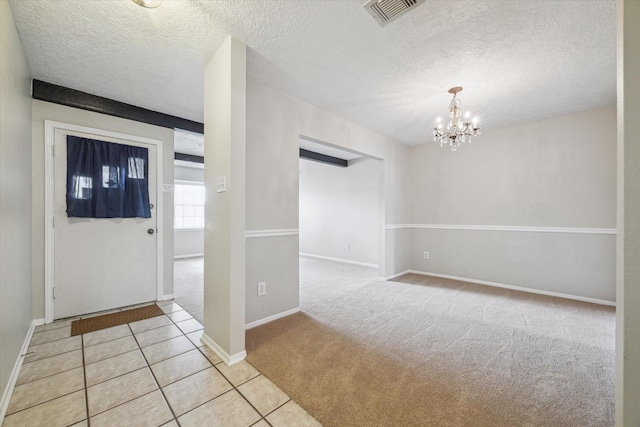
275, 122
555, 173
15, 196
188, 242
47, 111
628, 245
340, 206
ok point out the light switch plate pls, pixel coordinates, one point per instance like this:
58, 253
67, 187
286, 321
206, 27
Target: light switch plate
221, 184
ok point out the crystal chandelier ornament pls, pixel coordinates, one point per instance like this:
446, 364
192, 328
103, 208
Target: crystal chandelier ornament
459, 129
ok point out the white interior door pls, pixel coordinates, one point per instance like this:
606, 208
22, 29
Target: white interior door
101, 263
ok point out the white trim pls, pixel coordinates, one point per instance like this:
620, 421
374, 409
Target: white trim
396, 275
271, 318
188, 256
159, 215
572, 230
166, 297
185, 164
396, 226
518, 288
8, 390
252, 234
344, 261
189, 229
188, 182
49, 165
226, 358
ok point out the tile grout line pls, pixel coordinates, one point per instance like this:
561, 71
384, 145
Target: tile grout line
43, 402
262, 417
84, 378
124, 403
133, 333
47, 376
210, 400
49, 342
48, 357
153, 375
173, 382
110, 357
118, 376
223, 376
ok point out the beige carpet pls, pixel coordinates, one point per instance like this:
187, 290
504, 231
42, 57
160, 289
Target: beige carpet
435, 352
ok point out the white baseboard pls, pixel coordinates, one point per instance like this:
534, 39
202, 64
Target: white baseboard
226, 358
271, 318
518, 288
188, 256
396, 275
8, 391
168, 297
345, 261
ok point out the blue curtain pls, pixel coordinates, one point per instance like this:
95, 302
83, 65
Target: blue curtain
106, 180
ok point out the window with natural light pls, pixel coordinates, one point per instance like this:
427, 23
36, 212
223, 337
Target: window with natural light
188, 205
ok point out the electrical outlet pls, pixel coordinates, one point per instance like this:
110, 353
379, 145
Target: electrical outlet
262, 289
426, 255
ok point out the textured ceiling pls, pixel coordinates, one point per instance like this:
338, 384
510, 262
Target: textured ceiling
186, 142
517, 60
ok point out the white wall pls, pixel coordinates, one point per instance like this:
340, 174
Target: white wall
48, 111
557, 173
193, 173
225, 127
189, 242
339, 207
15, 197
275, 122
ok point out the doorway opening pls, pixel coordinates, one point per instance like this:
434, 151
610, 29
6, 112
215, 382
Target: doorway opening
340, 212
188, 231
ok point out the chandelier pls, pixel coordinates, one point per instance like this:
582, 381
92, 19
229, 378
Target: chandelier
459, 129
149, 4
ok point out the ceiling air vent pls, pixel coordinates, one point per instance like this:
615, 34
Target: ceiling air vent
385, 11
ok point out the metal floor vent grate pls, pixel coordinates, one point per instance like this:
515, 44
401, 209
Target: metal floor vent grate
385, 11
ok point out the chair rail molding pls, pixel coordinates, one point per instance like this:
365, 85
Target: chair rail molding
252, 234
512, 228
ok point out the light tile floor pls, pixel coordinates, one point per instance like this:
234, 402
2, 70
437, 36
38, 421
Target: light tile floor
155, 372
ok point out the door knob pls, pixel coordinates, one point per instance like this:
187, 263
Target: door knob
151, 231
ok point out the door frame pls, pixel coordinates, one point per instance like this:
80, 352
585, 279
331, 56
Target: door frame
50, 128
